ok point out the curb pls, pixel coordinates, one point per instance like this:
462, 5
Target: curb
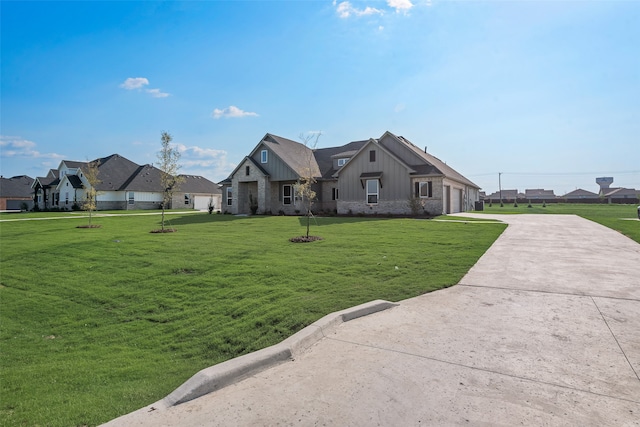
232, 371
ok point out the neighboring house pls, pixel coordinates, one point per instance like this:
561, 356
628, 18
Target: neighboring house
539, 194
621, 195
375, 176
16, 193
123, 185
507, 196
580, 194
197, 192
43, 189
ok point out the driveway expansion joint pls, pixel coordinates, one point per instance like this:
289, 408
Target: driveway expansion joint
490, 371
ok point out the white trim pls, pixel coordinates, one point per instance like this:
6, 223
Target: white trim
371, 193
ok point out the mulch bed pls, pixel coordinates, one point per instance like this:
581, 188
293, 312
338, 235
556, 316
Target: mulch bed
89, 226
166, 230
304, 239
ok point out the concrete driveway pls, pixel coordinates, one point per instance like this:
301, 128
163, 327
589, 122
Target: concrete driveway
543, 330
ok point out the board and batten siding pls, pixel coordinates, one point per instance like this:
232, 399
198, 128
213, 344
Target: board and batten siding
401, 151
394, 191
277, 169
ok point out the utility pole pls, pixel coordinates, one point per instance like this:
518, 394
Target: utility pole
500, 186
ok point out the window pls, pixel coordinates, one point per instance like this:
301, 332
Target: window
334, 194
287, 194
186, 199
341, 162
424, 189
66, 198
372, 155
372, 191
229, 196
264, 156
131, 198
247, 170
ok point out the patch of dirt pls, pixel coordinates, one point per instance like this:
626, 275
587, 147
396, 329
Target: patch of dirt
304, 239
89, 226
166, 230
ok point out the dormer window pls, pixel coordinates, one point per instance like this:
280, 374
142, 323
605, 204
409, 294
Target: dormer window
341, 162
264, 156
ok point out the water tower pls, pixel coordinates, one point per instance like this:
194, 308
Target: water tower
604, 183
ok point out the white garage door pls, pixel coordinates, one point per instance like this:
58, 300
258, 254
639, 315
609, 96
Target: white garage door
201, 203
456, 200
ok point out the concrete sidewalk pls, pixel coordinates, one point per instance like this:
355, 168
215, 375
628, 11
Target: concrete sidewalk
543, 330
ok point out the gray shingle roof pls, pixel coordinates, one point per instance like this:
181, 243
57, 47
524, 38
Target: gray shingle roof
580, 193
298, 156
116, 172
324, 156
439, 165
198, 184
17, 186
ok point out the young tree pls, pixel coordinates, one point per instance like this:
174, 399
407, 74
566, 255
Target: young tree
168, 158
304, 186
91, 193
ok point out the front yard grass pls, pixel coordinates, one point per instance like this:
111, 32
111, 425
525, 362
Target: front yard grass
96, 323
622, 218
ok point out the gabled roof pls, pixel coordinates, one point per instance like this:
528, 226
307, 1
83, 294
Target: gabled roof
433, 161
17, 186
115, 172
250, 160
73, 164
621, 192
145, 178
75, 181
198, 184
51, 180
296, 155
580, 193
538, 192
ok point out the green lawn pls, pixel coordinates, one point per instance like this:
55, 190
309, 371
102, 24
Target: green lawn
618, 217
96, 323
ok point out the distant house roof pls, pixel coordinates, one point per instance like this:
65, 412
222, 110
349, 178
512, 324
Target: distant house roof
115, 173
17, 186
580, 194
538, 193
506, 194
51, 180
198, 184
624, 193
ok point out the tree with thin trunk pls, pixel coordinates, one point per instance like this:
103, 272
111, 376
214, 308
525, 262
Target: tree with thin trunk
90, 203
168, 158
304, 186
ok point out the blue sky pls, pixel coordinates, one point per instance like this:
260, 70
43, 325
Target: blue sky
546, 92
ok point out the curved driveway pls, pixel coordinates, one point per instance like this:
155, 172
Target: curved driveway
543, 330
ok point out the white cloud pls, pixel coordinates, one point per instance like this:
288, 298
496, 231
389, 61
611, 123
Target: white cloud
138, 83
157, 94
345, 9
14, 146
231, 111
208, 162
134, 83
400, 5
